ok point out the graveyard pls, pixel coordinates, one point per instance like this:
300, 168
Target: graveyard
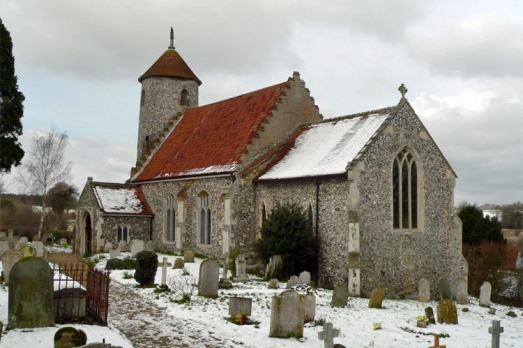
212, 313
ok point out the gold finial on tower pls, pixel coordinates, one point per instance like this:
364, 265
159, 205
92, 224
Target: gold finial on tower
171, 46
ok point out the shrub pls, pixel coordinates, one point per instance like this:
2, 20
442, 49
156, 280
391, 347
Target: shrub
477, 228
146, 267
127, 263
287, 232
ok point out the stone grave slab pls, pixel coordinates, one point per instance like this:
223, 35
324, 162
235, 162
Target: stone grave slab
137, 245
447, 312
164, 266
178, 263
340, 296
293, 281
462, 294
376, 298
9, 258
108, 247
114, 253
328, 334
273, 284
240, 305
444, 289
287, 314
424, 290
310, 307
484, 294
208, 282
188, 255
304, 278
149, 246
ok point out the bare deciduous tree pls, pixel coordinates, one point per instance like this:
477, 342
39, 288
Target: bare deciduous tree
44, 166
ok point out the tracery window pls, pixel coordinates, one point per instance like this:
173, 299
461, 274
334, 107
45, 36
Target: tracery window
204, 219
405, 191
169, 218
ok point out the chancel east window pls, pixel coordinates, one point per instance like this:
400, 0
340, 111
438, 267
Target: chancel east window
204, 219
169, 218
405, 191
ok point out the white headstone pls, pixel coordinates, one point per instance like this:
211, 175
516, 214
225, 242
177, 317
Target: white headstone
113, 254
287, 314
484, 294
123, 246
462, 294
137, 245
293, 281
40, 249
108, 247
241, 268
149, 246
164, 266
23, 240
4, 246
304, 278
424, 290
208, 281
63, 241
310, 307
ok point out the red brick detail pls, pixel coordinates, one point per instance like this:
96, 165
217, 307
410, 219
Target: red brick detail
212, 135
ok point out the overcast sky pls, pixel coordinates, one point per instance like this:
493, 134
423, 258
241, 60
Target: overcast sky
78, 63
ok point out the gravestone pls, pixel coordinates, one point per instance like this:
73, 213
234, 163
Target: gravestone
436, 343
225, 283
328, 334
99, 345
164, 266
376, 298
113, 254
429, 313
462, 295
9, 258
63, 241
293, 281
4, 246
31, 294
447, 312
10, 234
241, 269
149, 246
424, 290
123, 246
304, 278
23, 240
178, 263
495, 331
287, 314
484, 294
310, 307
273, 284
188, 256
36, 238
137, 245
340, 296
108, 247
444, 289
240, 305
208, 282
274, 267
492, 311
3, 234
39, 248
68, 336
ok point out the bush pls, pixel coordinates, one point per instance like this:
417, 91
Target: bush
287, 232
477, 228
146, 267
127, 263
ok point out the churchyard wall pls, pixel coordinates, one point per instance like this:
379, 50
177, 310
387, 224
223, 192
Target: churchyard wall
398, 259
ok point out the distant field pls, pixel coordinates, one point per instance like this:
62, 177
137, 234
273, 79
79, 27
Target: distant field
512, 239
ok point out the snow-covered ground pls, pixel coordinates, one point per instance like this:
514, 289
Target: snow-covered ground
397, 318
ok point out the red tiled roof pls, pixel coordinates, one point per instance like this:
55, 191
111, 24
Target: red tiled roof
170, 64
211, 138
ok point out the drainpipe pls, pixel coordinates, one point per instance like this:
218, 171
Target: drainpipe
317, 230
151, 228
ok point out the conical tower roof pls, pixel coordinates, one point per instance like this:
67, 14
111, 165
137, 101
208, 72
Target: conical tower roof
170, 64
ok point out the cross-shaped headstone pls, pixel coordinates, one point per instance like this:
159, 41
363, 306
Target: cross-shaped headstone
403, 90
436, 342
328, 335
164, 266
495, 331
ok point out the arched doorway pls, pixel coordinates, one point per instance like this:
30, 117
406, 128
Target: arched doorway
88, 233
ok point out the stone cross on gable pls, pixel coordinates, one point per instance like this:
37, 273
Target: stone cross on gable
328, 335
495, 331
436, 342
403, 90
164, 266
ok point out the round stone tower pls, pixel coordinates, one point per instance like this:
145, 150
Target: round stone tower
168, 88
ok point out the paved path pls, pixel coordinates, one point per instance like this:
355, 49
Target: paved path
147, 325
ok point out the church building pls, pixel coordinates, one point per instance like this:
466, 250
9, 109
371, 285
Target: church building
377, 189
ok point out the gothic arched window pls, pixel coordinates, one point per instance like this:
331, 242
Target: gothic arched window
204, 219
122, 233
184, 98
405, 191
169, 224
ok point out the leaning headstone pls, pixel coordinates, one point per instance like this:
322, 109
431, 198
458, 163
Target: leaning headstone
328, 334
178, 263
376, 298
4, 246
287, 313
68, 336
484, 294
304, 278
113, 254
241, 269
136, 246
208, 282
429, 313
164, 266
123, 246
447, 312
39, 248
240, 305
149, 246
340, 296
444, 289
293, 281
31, 294
310, 307
462, 295
273, 284
495, 331
9, 258
63, 241
424, 290
188, 256
108, 247
274, 268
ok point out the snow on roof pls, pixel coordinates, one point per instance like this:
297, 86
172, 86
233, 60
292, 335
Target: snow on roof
326, 148
121, 200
